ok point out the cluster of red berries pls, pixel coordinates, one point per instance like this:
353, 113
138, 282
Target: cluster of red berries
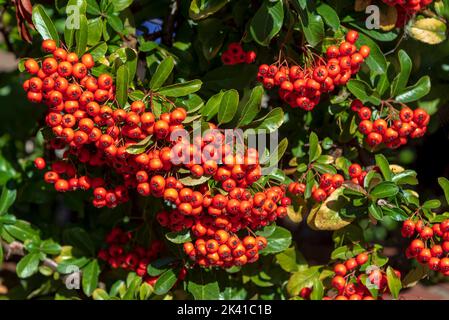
103, 151
215, 220
328, 183
235, 54
349, 283
392, 132
411, 6
122, 253
302, 87
431, 246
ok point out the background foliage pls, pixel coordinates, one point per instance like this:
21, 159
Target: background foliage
56, 230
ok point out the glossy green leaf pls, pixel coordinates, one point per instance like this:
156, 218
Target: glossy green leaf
7, 198
313, 28
212, 106
28, 265
384, 166
90, 277
271, 122
121, 93
278, 241
376, 60
228, 106
162, 73
81, 36
400, 81
267, 21
363, 91
444, 184
201, 9
252, 107
180, 89
394, 283
165, 282
43, 24
384, 190
120, 5
314, 147
420, 89
179, 237
329, 15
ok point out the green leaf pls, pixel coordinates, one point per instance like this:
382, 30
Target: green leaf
181, 89
203, 286
405, 177
415, 92
140, 146
228, 106
313, 27
278, 241
191, 181
22, 231
375, 211
329, 15
7, 198
100, 294
291, 260
271, 122
384, 166
394, 283
363, 91
93, 8
401, 80
120, 5
317, 290
384, 190
44, 24
159, 266
277, 153
376, 60
432, 204
1, 254
90, 277
121, 92
165, 282
314, 147
201, 9
267, 22
162, 73
145, 291
28, 265
212, 106
179, 237
115, 23
444, 184
302, 279
50, 247
252, 107
94, 31
81, 36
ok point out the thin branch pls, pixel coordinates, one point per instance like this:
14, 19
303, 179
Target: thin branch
168, 27
17, 248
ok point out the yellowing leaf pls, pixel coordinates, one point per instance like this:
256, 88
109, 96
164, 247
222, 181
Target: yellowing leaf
396, 169
326, 216
388, 17
297, 210
428, 30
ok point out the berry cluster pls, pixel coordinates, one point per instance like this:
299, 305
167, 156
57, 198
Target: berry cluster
235, 54
328, 183
122, 253
112, 149
431, 246
349, 283
394, 130
302, 87
409, 7
215, 220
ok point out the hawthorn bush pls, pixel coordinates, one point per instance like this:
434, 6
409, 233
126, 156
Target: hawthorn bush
99, 201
